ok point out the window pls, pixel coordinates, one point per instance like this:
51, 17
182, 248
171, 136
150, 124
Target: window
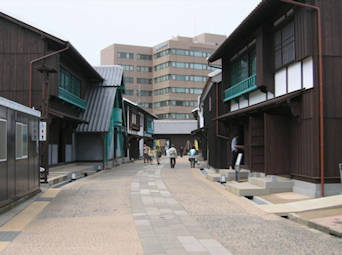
3, 139
175, 103
177, 90
144, 81
284, 46
144, 57
209, 103
21, 141
145, 105
127, 55
144, 93
145, 69
175, 116
134, 119
243, 67
129, 79
181, 52
69, 82
128, 67
129, 92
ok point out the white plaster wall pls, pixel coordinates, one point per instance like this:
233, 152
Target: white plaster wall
141, 131
201, 118
243, 102
308, 73
294, 74
270, 95
280, 82
256, 97
141, 148
233, 105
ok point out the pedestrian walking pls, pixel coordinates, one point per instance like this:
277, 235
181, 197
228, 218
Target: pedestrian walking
146, 153
181, 151
192, 157
172, 153
158, 154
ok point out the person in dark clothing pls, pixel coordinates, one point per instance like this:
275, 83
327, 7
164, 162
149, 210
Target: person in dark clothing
236, 149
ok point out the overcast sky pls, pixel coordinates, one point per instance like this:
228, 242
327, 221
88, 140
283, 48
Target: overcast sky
91, 25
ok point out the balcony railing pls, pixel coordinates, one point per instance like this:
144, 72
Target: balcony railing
240, 88
149, 130
71, 98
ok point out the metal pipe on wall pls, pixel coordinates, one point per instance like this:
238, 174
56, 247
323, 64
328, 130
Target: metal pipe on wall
321, 99
36, 60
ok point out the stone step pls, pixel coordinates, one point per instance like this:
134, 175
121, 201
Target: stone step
245, 189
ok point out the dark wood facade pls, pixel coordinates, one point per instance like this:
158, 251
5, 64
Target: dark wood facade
20, 45
282, 136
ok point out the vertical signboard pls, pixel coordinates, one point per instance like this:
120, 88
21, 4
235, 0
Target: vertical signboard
42, 131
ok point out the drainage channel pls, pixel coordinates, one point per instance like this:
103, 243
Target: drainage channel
258, 200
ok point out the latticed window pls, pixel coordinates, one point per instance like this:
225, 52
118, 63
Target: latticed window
284, 46
69, 82
243, 67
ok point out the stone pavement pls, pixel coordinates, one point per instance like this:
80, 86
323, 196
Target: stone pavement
164, 227
148, 209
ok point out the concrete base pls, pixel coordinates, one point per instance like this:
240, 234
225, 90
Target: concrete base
272, 182
230, 174
213, 175
314, 190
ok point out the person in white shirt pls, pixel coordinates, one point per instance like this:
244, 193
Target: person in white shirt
172, 153
192, 157
235, 150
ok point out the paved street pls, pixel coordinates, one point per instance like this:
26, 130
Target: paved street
150, 209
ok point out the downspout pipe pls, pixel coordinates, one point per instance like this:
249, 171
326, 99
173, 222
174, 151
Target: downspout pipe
321, 99
217, 112
37, 60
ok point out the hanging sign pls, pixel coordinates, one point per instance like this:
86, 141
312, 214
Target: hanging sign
42, 131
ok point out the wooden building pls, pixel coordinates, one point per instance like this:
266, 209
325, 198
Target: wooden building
42, 71
140, 129
19, 151
102, 138
271, 93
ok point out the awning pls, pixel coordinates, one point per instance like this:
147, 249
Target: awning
267, 104
199, 132
63, 115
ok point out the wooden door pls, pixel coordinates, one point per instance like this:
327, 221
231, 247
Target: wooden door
256, 143
277, 144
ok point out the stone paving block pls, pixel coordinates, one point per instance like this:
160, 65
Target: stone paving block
147, 200
177, 251
191, 244
181, 212
214, 247
151, 245
145, 192
165, 211
142, 222
165, 193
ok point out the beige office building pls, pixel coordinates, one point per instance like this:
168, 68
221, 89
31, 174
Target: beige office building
168, 78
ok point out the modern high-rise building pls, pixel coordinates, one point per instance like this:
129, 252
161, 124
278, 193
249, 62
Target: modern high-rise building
168, 78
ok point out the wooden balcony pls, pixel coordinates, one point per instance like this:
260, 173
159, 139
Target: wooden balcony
71, 98
240, 88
